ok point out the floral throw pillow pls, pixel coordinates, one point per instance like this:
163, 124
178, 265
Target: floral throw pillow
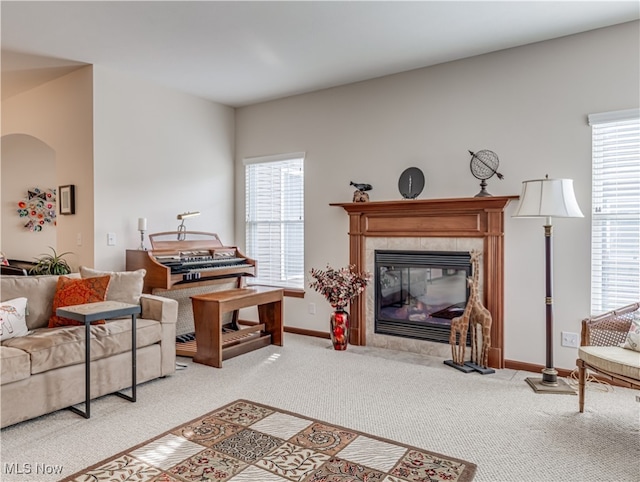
633, 337
77, 291
13, 318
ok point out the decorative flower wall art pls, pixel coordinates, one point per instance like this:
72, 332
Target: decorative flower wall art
38, 209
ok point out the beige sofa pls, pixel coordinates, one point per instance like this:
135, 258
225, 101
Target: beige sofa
44, 370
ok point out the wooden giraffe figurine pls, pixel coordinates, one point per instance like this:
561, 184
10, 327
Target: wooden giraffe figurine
479, 316
460, 324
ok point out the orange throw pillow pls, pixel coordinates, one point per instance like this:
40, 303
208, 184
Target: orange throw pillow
77, 291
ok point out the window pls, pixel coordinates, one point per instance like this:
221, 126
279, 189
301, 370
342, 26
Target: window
274, 194
615, 224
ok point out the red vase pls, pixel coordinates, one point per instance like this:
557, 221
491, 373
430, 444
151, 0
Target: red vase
340, 329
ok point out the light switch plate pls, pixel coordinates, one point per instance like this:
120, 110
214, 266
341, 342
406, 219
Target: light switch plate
570, 339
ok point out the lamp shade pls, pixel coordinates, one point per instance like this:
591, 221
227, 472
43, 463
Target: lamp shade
548, 198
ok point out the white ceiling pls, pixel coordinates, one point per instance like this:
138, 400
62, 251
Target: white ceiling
239, 53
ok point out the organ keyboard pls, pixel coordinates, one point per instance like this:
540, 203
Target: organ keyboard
198, 259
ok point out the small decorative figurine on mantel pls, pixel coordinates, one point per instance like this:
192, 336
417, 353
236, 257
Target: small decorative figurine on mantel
360, 195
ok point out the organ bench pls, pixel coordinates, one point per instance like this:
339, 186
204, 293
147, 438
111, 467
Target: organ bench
213, 345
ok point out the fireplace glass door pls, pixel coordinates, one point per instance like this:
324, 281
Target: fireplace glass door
419, 292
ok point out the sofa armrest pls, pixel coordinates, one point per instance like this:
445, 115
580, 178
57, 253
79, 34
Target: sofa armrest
164, 310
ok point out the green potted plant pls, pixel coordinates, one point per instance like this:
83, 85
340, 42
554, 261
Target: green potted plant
51, 264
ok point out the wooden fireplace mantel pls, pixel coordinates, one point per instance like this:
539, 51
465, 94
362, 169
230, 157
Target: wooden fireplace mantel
477, 217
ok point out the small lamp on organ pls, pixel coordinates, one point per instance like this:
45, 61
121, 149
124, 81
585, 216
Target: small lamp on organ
182, 229
142, 227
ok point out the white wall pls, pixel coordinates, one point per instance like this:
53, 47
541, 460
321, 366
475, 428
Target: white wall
158, 152
528, 104
60, 114
27, 163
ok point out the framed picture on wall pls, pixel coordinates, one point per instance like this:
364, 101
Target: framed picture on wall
67, 199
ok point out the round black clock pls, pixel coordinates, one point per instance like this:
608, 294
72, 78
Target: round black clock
411, 183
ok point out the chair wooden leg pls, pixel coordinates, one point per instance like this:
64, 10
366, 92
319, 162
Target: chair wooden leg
582, 375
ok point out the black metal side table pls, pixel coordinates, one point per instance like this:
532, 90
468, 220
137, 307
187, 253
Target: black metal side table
99, 311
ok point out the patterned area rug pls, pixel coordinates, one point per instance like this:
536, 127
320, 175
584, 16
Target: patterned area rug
249, 442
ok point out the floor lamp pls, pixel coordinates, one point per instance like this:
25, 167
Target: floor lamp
548, 198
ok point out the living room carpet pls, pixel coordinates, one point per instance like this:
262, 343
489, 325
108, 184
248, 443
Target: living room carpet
246, 441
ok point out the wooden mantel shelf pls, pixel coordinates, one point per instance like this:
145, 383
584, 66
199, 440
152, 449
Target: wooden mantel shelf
477, 217
460, 217
489, 202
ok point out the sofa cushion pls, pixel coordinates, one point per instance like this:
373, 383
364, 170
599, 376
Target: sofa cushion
14, 364
613, 359
51, 348
39, 291
71, 292
125, 286
13, 318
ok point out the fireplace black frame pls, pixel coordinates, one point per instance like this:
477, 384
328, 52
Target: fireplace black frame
420, 330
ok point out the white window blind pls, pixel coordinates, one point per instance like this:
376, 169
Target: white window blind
274, 194
615, 232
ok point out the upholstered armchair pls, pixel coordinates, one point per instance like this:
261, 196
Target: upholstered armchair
602, 351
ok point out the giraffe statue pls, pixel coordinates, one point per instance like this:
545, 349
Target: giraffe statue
479, 315
460, 324
475, 264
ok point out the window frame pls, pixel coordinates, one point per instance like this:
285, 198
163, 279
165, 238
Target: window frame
615, 213
293, 284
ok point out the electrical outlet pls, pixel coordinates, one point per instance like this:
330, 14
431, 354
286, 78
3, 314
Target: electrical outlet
111, 239
79, 239
569, 339
312, 308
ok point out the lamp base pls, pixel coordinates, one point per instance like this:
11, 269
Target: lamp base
142, 248
561, 387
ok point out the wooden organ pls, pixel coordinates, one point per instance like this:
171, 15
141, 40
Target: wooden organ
187, 259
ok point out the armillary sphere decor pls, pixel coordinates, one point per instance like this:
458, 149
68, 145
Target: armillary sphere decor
483, 165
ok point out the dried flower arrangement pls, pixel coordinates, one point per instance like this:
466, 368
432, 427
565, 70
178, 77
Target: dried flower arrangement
339, 286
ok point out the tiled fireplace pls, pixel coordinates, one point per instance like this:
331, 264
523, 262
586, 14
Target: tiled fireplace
438, 225
416, 292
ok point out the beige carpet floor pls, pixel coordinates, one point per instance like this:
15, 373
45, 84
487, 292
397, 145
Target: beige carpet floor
495, 421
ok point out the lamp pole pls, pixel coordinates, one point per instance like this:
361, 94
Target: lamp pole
549, 374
